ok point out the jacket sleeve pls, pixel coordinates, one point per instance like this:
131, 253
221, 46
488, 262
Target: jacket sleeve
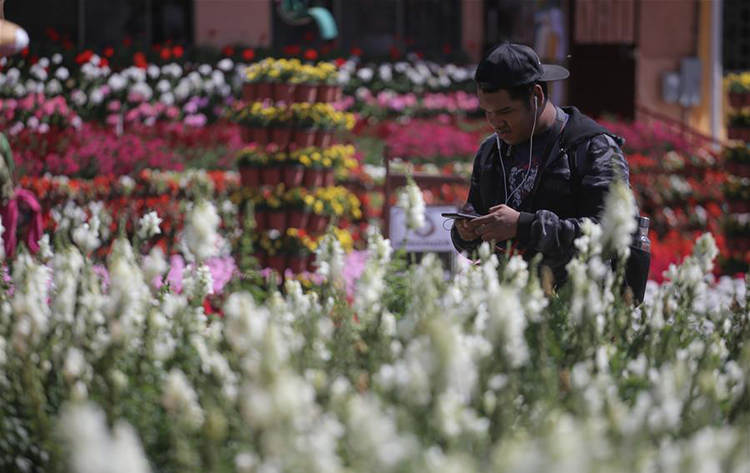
473, 203
545, 232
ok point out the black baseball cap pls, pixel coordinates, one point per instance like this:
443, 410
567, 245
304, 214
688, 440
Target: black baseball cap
509, 65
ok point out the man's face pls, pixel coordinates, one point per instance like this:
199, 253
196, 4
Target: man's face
511, 119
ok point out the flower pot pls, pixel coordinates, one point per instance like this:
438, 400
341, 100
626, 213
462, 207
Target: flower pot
263, 91
329, 179
317, 223
246, 134
306, 93
304, 137
261, 258
249, 91
739, 169
298, 218
338, 94
261, 220
326, 93
298, 264
313, 178
277, 220
739, 100
323, 138
270, 175
277, 263
738, 206
249, 176
293, 175
739, 243
283, 92
261, 136
736, 133
281, 136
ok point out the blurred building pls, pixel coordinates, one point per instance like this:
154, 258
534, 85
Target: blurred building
627, 57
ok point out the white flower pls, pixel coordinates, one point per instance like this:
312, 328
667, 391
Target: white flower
93, 449
329, 257
154, 264
180, 399
74, 364
79, 97
62, 74
365, 74
200, 234
96, 96
410, 199
86, 236
148, 226
197, 282
619, 219
370, 287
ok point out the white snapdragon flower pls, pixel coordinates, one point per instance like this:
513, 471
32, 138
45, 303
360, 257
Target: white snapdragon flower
370, 287
93, 449
180, 399
197, 282
148, 226
329, 257
86, 236
411, 200
200, 234
154, 264
619, 219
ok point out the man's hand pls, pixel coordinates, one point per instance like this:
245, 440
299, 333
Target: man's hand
466, 233
499, 225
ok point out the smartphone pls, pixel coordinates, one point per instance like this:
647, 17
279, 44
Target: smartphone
459, 215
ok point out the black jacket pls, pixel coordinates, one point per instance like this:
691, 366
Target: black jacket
570, 185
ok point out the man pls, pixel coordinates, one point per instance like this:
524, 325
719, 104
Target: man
544, 170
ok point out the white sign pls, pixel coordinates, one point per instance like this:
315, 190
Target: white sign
434, 236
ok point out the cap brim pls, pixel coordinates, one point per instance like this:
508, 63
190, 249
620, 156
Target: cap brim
554, 72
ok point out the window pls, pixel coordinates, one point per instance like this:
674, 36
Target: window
736, 41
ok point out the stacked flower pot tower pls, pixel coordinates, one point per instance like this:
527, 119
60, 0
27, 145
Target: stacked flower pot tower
737, 189
292, 160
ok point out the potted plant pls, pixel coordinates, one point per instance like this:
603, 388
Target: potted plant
248, 163
281, 126
299, 205
263, 80
304, 125
312, 159
271, 172
296, 249
307, 81
294, 171
281, 74
739, 89
327, 89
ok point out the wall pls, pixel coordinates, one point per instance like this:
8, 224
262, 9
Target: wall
222, 22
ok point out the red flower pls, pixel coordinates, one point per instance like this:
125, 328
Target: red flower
228, 51
178, 51
53, 35
340, 62
127, 42
311, 55
356, 51
309, 37
84, 57
248, 54
34, 59
139, 59
165, 54
395, 53
103, 62
291, 50
25, 51
109, 51
447, 49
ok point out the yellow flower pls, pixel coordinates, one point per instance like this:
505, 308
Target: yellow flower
318, 207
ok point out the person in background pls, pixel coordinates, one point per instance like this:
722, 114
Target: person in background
543, 171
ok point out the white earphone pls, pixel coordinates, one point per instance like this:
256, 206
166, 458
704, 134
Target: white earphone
531, 149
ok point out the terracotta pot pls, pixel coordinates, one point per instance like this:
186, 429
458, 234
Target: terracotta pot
735, 133
246, 134
249, 176
261, 258
306, 93
277, 263
313, 178
739, 169
261, 136
324, 138
261, 220
304, 137
739, 100
329, 179
249, 91
293, 175
338, 94
326, 93
298, 218
263, 91
283, 92
738, 243
317, 223
270, 175
277, 220
298, 264
281, 136
738, 206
